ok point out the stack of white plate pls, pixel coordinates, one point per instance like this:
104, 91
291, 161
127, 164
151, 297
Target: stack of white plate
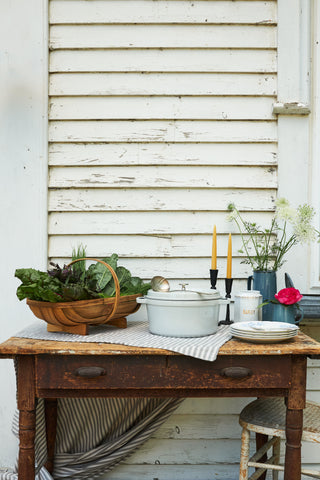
264, 332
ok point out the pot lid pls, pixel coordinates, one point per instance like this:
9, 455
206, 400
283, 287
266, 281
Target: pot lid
185, 294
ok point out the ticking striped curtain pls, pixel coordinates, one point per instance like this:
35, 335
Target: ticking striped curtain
95, 435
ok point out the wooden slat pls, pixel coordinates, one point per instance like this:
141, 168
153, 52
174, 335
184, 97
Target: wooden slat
199, 452
81, 154
313, 378
156, 245
173, 11
166, 451
162, 84
197, 108
162, 36
147, 223
312, 323
163, 177
310, 454
180, 426
216, 406
313, 395
177, 472
178, 268
162, 131
163, 60
155, 450
164, 199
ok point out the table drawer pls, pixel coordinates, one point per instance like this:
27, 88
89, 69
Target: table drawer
153, 371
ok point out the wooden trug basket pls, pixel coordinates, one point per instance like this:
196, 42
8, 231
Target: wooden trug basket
75, 317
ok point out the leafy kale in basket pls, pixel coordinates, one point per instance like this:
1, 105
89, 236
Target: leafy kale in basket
75, 282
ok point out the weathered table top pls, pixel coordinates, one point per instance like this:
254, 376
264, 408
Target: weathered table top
53, 369
299, 345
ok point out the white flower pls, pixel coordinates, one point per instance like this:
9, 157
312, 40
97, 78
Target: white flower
303, 228
284, 211
233, 212
305, 233
282, 202
232, 216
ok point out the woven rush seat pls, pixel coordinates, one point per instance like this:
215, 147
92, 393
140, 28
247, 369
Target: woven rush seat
267, 417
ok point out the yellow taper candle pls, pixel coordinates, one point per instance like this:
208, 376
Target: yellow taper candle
214, 249
229, 260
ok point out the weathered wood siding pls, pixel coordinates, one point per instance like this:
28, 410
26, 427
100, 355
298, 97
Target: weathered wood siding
160, 115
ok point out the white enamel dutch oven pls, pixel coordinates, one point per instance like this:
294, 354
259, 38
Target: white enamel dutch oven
183, 313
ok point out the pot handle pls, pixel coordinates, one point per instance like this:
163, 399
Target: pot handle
115, 279
141, 300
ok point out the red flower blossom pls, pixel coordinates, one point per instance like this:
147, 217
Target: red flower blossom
288, 296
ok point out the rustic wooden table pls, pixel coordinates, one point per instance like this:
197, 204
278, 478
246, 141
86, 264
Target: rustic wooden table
51, 370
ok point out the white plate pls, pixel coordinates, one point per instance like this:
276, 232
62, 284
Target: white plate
273, 337
266, 327
259, 335
263, 339
263, 332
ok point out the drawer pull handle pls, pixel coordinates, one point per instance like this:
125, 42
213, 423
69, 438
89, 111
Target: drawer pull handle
236, 372
90, 372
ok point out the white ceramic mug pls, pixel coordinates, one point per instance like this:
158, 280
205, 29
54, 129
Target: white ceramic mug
246, 305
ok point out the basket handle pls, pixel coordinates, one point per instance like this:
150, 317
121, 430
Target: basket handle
114, 276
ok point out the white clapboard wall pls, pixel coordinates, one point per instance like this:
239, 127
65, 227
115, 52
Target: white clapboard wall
160, 115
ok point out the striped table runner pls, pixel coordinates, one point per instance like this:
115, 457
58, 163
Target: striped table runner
137, 335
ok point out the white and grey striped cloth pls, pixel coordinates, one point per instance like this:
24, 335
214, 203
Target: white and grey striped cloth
94, 435
137, 335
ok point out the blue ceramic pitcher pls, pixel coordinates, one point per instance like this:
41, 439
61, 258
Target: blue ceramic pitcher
286, 313
266, 282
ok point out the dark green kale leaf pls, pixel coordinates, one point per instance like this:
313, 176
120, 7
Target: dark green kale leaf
123, 275
134, 286
38, 285
74, 291
98, 275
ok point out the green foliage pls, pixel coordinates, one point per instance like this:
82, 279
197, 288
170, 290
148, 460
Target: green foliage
69, 283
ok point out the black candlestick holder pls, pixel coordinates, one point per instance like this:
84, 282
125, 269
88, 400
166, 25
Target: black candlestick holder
213, 277
227, 321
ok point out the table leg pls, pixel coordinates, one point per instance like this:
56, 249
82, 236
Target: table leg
27, 417
50, 405
294, 423
294, 418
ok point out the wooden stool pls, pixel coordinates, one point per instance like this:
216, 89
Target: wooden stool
267, 417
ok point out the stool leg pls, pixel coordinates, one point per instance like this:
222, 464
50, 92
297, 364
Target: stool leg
276, 453
244, 456
261, 439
